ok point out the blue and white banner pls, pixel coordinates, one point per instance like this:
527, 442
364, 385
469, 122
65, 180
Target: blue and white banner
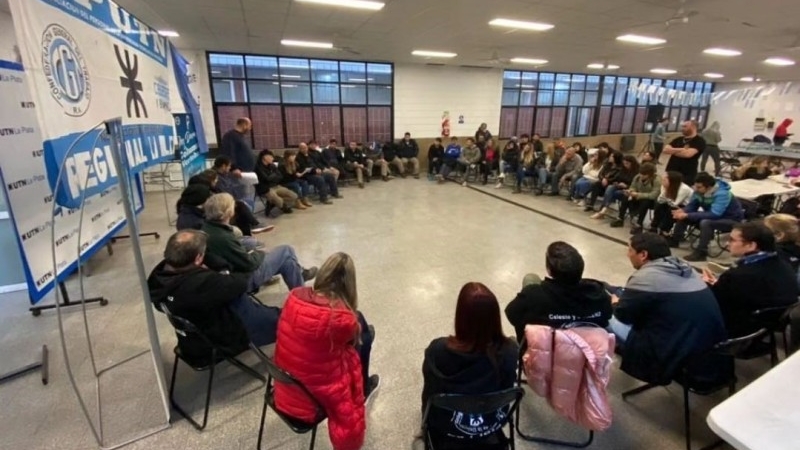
41, 228
90, 60
192, 160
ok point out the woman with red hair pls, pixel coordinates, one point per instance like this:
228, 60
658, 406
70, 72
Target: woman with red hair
478, 359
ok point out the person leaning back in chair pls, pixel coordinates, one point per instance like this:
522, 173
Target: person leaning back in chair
197, 287
712, 207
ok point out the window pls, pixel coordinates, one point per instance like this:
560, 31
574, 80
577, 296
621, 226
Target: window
566, 105
291, 100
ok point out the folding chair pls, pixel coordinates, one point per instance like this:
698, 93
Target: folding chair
278, 375
483, 404
775, 320
731, 348
216, 355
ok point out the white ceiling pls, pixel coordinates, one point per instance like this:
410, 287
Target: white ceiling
584, 31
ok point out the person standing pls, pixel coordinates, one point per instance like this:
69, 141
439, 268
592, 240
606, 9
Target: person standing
408, 151
782, 132
658, 136
713, 138
685, 151
235, 147
483, 131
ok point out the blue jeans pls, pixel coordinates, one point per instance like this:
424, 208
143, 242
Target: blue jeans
612, 195
581, 187
299, 187
620, 330
522, 173
330, 180
319, 184
260, 322
544, 177
279, 260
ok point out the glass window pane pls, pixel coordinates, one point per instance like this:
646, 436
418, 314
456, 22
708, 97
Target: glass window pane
558, 122
296, 92
262, 67
511, 79
593, 83
380, 123
379, 74
689, 86
264, 91
707, 88
585, 119
544, 98
670, 84
326, 93
229, 91
380, 95
576, 98
529, 80
679, 85
527, 97
293, 69
608, 90
322, 70
622, 89
560, 98
542, 125
547, 81
226, 66
510, 97
508, 122
354, 94
524, 121
562, 81
578, 82
590, 99
353, 72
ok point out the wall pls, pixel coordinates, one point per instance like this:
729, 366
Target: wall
737, 105
423, 92
7, 37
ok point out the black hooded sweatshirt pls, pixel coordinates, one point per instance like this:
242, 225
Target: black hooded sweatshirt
555, 303
448, 371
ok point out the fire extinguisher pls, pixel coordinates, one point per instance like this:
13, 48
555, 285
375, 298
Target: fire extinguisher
446, 126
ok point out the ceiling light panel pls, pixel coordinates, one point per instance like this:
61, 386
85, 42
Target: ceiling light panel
168, 33
521, 24
529, 61
713, 75
638, 39
664, 71
596, 66
746, 79
434, 54
296, 43
779, 61
716, 51
356, 4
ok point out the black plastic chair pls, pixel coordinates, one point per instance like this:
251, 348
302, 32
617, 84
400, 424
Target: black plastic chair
775, 320
732, 348
523, 348
485, 404
278, 375
216, 355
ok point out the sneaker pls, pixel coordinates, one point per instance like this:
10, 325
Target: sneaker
305, 201
696, 256
385, 178
361, 185
464, 184
326, 202
373, 384
619, 223
416, 176
262, 228
287, 210
498, 185
588, 208
337, 196
581, 204
309, 274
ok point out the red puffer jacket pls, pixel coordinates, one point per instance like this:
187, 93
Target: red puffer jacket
315, 345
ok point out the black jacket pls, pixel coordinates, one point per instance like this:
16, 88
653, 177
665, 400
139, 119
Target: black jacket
269, 176
759, 281
555, 304
435, 151
202, 296
317, 159
333, 156
358, 156
287, 177
674, 319
236, 147
538, 147
447, 371
189, 217
389, 151
306, 161
408, 149
789, 252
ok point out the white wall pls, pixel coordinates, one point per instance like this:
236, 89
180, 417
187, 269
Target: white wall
422, 93
736, 106
7, 37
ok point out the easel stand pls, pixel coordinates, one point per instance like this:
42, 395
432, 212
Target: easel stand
125, 236
39, 365
37, 310
648, 146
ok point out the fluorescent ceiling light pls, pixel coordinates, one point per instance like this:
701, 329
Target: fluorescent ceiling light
168, 33
294, 43
637, 39
289, 85
529, 61
358, 4
713, 75
749, 79
433, 54
521, 24
722, 52
602, 66
779, 61
612, 67
285, 76
663, 71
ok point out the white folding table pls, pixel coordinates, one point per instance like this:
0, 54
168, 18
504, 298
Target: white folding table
751, 189
765, 414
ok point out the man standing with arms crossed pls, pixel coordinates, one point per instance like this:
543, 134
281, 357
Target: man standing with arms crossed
235, 146
684, 152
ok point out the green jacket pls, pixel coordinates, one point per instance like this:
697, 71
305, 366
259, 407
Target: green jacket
222, 243
648, 190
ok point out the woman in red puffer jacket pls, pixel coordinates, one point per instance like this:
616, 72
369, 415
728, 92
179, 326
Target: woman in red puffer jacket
324, 342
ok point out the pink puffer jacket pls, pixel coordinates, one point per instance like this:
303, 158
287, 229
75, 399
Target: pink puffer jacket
571, 368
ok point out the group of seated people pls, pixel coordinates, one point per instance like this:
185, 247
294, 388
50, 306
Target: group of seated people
666, 316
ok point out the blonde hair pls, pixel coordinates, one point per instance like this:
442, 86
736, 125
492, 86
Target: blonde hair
784, 225
336, 280
291, 166
550, 150
219, 207
527, 154
755, 162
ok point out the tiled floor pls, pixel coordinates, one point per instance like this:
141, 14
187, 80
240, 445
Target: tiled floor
415, 244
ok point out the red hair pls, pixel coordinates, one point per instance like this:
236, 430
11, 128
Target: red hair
478, 326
